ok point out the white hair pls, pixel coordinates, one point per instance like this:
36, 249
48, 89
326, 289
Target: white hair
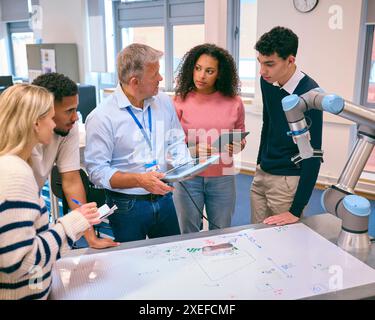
132, 60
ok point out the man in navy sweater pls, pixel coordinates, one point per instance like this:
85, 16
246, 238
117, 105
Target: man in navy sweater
281, 189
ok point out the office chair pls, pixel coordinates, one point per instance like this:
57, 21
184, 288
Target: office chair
92, 194
5, 82
87, 100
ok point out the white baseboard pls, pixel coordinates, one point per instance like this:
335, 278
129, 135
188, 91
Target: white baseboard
364, 185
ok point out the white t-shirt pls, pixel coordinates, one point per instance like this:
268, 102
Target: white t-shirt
64, 151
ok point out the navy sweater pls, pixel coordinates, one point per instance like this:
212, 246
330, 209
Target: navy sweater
277, 148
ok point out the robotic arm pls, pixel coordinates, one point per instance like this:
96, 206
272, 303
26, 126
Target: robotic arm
338, 199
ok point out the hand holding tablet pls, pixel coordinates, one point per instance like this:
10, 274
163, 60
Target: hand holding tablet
228, 138
189, 169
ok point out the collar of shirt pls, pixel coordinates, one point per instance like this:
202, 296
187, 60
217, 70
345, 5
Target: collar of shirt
115, 143
293, 82
124, 102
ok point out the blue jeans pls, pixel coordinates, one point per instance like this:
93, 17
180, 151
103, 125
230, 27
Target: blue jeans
218, 194
135, 219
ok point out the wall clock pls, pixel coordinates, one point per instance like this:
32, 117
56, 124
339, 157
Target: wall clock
305, 5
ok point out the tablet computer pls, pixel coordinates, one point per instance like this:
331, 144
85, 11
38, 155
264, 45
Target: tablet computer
189, 169
228, 138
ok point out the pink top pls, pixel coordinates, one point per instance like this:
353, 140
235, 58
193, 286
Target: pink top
205, 116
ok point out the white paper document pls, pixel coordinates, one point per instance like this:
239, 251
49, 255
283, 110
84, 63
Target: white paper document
48, 61
105, 211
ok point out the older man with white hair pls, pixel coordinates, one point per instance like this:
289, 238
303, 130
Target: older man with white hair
130, 139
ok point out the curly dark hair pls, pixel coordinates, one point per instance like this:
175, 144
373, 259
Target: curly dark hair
227, 82
58, 84
280, 40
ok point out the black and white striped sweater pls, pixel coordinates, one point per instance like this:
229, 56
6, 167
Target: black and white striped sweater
28, 245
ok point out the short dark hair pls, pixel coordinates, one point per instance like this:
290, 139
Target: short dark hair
227, 82
280, 40
58, 84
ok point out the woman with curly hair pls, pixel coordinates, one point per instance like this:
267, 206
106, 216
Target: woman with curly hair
207, 104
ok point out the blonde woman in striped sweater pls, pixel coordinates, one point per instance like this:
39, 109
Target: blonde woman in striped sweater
28, 246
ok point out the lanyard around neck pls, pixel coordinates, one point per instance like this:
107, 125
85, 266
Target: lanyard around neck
144, 133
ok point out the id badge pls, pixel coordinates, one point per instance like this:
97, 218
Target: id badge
152, 166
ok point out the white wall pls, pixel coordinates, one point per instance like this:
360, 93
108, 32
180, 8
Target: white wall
215, 18
328, 55
66, 22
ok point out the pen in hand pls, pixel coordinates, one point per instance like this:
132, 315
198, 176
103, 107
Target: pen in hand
104, 211
83, 209
76, 202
